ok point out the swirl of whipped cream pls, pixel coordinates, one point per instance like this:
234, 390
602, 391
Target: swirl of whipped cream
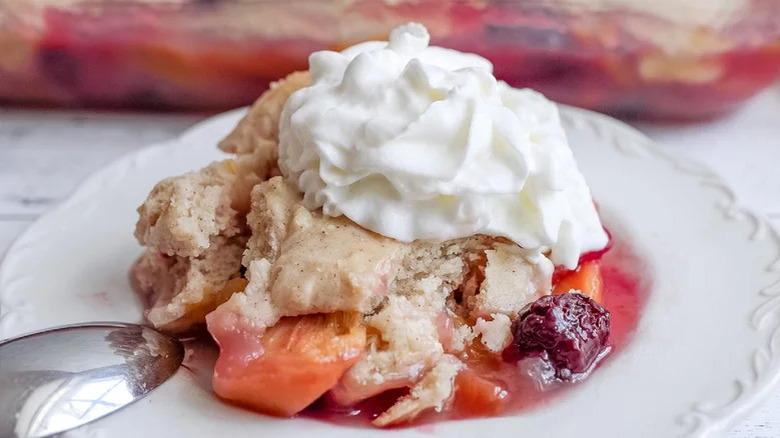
418, 142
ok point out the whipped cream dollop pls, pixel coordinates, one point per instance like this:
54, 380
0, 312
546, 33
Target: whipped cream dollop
418, 142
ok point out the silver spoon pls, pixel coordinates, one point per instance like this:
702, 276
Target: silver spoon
62, 378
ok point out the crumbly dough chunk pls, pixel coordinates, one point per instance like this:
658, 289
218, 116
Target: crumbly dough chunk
182, 214
510, 282
274, 204
258, 131
403, 345
321, 264
194, 225
495, 333
460, 337
437, 268
432, 392
180, 291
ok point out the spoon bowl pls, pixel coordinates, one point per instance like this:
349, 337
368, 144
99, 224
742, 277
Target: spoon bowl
65, 377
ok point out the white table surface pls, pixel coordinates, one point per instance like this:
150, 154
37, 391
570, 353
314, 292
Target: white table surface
45, 154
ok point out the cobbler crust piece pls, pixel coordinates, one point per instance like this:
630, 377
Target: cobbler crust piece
180, 291
422, 303
194, 225
495, 333
308, 263
259, 129
433, 391
182, 213
505, 269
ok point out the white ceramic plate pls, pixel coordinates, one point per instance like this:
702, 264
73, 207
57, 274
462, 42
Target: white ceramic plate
707, 347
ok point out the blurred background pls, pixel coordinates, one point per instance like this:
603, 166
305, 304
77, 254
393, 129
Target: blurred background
660, 60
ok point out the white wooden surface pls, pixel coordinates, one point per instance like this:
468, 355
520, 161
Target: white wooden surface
44, 155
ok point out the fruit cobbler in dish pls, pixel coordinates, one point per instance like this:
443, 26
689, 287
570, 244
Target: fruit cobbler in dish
397, 232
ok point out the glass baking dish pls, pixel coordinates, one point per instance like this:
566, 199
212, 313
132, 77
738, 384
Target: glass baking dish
658, 59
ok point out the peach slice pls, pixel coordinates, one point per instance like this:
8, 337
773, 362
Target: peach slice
290, 365
586, 279
476, 396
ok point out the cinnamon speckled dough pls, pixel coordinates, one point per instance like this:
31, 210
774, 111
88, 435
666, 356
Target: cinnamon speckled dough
259, 129
403, 345
505, 269
302, 262
183, 213
185, 216
431, 392
419, 300
180, 291
495, 333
